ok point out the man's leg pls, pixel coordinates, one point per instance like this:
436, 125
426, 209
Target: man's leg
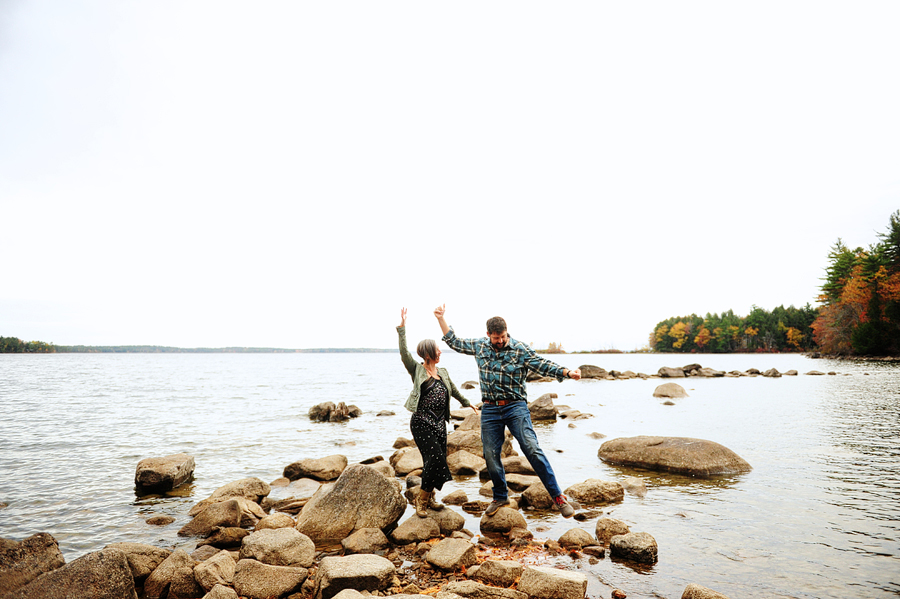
518, 418
492, 437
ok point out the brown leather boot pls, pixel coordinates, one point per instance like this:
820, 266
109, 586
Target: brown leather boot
422, 503
434, 504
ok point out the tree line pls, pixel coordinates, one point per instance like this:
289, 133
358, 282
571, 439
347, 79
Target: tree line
860, 314
14, 345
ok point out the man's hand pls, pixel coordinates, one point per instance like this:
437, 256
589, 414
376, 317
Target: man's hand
575, 374
402, 317
439, 311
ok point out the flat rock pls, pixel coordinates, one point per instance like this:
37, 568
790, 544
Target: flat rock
674, 373
696, 457
502, 573
252, 489
279, 547
475, 590
161, 474
23, 561
415, 530
324, 469
462, 463
552, 583
256, 580
359, 572
595, 491
103, 573
452, 554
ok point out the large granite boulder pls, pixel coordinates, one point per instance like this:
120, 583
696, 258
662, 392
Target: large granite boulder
360, 498
142, 559
552, 583
594, 491
542, 408
279, 547
670, 390
327, 468
23, 561
256, 580
103, 573
684, 455
161, 474
363, 572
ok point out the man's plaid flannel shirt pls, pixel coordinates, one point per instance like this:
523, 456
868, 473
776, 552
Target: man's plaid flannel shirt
502, 372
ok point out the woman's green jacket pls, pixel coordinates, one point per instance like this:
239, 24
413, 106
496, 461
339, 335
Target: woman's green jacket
419, 375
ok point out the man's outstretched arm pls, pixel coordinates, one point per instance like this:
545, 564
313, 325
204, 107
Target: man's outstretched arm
463, 346
439, 314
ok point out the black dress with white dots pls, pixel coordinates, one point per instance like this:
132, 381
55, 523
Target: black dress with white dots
430, 433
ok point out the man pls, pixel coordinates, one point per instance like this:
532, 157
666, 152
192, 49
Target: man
503, 363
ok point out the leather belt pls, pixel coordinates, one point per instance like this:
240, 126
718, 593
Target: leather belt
500, 402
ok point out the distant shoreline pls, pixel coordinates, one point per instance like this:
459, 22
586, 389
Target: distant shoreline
162, 349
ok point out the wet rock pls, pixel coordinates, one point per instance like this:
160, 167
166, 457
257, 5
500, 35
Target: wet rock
463, 462
324, 469
594, 550
276, 520
225, 537
470, 589
684, 455
279, 547
607, 528
673, 373
503, 521
552, 583
223, 514
588, 514
161, 474
23, 561
457, 497
157, 584
673, 390
406, 460
359, 572
360, 498
452, 554
219, 569
576, 538
103, 573
594, 491
365, 540
502, 573
256, 580
415, 530
542, 408
159, 520
383, 413
142, 559
695, 591
635, 546
634, 486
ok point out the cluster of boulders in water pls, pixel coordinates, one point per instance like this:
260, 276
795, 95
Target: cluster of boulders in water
589, 371
334, 529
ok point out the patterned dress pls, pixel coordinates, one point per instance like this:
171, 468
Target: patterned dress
430, 433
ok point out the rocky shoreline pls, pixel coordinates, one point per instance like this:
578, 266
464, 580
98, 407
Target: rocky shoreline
329, 528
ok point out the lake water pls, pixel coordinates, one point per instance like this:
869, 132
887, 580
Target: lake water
817, 517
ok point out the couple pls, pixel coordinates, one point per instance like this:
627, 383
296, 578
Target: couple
503, 363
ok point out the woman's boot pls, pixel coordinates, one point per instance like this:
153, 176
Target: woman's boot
434, 504
422, 503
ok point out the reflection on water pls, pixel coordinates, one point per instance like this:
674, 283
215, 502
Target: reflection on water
817, 517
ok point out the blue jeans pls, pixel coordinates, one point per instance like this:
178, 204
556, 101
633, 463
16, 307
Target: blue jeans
516, 417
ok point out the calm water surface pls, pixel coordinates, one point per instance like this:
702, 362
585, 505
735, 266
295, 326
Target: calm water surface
817, 517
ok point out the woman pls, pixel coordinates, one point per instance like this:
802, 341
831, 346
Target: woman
429, 401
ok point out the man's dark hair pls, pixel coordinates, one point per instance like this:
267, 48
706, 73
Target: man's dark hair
496, 326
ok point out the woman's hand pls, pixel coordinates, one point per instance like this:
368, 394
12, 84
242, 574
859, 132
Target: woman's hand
402, 317
474, 408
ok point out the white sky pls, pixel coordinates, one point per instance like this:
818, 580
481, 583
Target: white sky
290, 174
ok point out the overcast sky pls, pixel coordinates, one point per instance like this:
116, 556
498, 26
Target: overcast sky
289, 174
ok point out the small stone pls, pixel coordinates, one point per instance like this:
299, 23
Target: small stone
160, 520
617, 594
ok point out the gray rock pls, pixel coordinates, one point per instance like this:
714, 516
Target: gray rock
223, 514
365, 540
157, 584
576, 538
463, 462
594, 491
673, 390
103, 573
502, 573
469, 589
257, 580
386, 413
452, 554
542, 408
635, 546
325, 469
279, 547
671, 373
217, 570
695, 591
607, 528
359, 572
23, 561
503, 521
142, 559
360, 498
406, 460
552, 583
696, 457
161, 474
415, 530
